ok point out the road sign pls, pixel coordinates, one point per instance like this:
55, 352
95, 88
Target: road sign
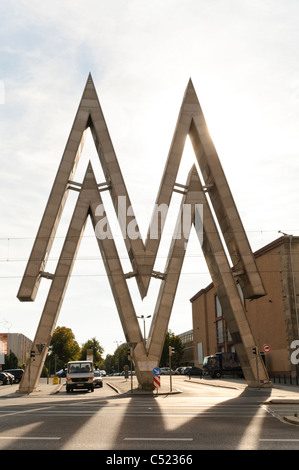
156, 371
157, 383
89, 355
266, 348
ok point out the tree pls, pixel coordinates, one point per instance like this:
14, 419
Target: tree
63, 347
11, 361
109, 364
117, 361
97, 350
174, 341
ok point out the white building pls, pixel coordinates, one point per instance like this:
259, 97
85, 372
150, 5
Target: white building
17, 343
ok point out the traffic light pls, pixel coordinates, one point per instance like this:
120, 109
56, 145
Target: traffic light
254, 350
129, 353
32, 353
171, 350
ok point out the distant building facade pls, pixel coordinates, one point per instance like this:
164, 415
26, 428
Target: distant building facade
17, 343
274, 318
188, 343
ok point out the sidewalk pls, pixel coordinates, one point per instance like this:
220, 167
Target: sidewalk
278, 394
122, 385
45, 388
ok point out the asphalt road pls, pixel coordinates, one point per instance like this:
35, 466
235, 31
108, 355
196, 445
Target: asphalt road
202, 417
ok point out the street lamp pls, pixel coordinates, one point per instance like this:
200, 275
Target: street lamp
144, 318
118, 344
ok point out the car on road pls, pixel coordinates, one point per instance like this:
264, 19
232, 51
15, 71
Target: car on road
79, 375
11, 377
61, 373
197, 371
182, 370
4, 379
17, 373
185, 370
166, 371
97, 379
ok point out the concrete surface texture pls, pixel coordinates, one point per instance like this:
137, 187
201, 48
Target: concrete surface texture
142, 255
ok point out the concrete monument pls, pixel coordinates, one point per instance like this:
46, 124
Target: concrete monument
198, 193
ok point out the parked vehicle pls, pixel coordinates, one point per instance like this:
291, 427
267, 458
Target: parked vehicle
4, 379
79, 375
97, 379
11, 378
166, 371
222, 363
61, 373
17, 373
197, 371
180, 370
103, 373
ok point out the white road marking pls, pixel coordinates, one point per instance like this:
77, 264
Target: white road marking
31, 438
280, 440
158, 439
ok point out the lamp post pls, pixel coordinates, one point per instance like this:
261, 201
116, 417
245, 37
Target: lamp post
118, 343
144, 318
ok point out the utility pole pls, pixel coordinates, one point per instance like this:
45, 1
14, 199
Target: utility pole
255, 351
131, 347
171, 351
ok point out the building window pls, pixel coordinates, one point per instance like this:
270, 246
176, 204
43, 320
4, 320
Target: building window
220, 331
187, 337
223, 337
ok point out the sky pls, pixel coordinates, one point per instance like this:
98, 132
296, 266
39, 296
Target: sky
243, 59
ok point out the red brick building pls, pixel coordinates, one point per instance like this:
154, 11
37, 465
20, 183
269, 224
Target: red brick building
272, 318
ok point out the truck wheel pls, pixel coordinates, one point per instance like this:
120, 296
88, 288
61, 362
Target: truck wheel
217, 374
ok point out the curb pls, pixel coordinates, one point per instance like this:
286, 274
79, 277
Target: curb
292, 419
113, 387
284, 401
140, 392
214, 385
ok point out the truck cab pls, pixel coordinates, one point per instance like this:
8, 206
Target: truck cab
79, 375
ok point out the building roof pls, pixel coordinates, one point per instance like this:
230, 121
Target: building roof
270, 246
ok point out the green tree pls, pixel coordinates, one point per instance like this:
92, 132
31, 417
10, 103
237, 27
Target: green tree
11, 361
63, 348
97, 350
117, 361
175, 342
109, 364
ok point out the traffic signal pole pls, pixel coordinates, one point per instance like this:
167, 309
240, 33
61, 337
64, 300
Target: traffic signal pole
255, 351
171, 351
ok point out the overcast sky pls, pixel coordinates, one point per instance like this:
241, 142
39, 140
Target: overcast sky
243, 58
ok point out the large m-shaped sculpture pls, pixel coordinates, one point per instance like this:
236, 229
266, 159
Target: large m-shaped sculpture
209, 190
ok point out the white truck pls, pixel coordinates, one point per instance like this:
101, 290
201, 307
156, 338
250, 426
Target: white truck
79, 375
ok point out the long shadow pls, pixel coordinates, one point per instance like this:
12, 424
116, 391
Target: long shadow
144, 422
38, 422
219, 427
